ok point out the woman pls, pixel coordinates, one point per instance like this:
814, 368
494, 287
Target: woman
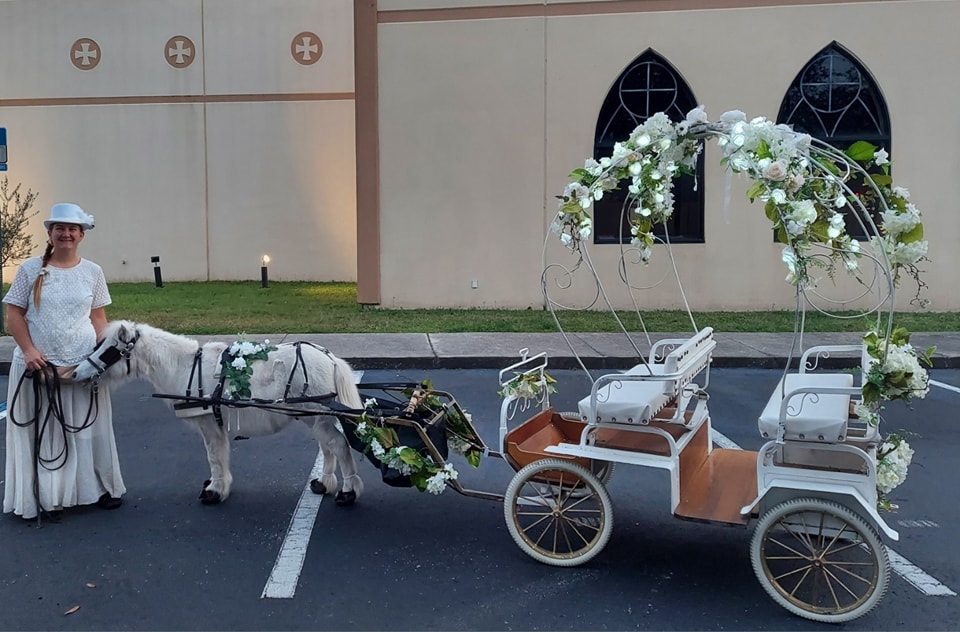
61, 450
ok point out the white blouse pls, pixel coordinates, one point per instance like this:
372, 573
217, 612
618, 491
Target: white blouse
61, 328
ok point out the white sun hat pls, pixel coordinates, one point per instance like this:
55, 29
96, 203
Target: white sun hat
66, 213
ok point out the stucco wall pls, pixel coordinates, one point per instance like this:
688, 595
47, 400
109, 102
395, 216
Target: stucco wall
242, 152
484, 112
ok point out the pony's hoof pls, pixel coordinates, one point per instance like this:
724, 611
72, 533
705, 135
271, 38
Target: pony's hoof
317, 487
209, 497
345, 499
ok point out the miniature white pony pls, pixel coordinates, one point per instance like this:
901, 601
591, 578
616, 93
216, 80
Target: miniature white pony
177, 365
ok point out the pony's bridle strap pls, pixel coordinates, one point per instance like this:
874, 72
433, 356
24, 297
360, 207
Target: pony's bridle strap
114, 354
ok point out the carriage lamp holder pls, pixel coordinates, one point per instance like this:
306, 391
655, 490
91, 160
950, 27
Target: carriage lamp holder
157, 275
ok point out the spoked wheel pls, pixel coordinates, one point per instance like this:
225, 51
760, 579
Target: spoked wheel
820, 560
558, 512
603, 470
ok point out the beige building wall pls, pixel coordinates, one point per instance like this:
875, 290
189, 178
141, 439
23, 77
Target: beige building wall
464, 116
484, 108
210, 161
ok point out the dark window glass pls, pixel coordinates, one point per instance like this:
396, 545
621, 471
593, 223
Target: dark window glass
835, 99
648, 85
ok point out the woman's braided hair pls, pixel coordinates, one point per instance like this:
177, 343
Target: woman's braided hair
38, 284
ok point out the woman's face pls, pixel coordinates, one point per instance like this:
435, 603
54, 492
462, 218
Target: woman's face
65, 236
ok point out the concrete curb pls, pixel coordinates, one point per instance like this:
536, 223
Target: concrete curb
596, 351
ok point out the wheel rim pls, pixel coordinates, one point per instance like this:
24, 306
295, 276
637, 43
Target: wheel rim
560, 513
821, 560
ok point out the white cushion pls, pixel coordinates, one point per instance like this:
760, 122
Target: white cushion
809, 416
626, 402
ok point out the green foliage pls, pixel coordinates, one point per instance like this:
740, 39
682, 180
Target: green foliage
861, 151
16, 243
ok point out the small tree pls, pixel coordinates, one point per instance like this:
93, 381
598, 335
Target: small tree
16, 243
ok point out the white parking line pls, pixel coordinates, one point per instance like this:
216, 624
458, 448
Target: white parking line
722, 441
910, 572
282, 583
914, 575
949, 387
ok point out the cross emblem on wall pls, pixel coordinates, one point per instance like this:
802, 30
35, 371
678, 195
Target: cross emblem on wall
179, 51
85, 54
306, 48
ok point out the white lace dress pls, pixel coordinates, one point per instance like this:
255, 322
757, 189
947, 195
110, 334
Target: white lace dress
74, 468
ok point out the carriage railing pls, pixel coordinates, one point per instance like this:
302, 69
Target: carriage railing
523, 385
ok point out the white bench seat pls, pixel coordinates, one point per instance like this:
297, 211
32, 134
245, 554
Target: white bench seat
637, 395
811, 406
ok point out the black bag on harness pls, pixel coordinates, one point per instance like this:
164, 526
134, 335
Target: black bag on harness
436, 432
408, 436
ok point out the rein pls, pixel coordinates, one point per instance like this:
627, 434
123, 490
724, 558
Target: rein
45, 386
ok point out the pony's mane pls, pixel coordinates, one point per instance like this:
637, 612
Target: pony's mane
165, 351
170, 339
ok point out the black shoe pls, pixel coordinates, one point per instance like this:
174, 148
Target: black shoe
109, 502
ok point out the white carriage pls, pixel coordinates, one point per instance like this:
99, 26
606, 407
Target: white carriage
811, 489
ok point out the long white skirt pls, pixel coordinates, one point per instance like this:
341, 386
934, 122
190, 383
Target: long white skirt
87, 467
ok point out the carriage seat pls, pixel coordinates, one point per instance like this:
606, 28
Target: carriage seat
813, 407
638, 394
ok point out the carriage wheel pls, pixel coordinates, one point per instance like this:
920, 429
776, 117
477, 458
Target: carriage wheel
820, 560
603, 470
558, 512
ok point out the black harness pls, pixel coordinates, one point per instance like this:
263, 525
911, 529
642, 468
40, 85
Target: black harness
215, 401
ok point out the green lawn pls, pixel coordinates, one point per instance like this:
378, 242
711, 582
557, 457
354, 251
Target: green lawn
220, 307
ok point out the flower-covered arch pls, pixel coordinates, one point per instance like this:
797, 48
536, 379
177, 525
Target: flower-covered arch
807, 189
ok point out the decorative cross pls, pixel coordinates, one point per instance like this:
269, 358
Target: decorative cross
306, 48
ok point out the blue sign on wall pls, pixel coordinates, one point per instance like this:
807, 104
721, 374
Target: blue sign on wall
3, 148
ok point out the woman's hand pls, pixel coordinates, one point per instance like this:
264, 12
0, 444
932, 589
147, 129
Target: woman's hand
34, 359
17, 324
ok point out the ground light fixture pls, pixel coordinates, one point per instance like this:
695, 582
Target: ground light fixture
157, 276
264, 260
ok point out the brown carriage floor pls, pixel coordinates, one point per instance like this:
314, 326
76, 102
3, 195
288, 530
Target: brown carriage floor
713, 487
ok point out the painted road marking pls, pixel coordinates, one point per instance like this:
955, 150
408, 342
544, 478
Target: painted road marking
946, 386
902, 566
282, 583
920, 580
722, 441
917, 523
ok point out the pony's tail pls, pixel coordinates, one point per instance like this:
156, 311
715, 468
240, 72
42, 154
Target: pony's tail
346, 387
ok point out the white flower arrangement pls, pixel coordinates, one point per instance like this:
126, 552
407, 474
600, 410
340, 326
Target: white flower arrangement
383, 443
237, 368
528, 385
893, 460
425, 473
656, 152
895, 371
804, 193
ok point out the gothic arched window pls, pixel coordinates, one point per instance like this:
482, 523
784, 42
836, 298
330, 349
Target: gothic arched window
835, 99
647, 86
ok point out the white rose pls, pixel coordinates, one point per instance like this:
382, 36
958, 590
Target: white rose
775, 171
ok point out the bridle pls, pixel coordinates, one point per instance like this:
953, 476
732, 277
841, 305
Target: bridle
120, 350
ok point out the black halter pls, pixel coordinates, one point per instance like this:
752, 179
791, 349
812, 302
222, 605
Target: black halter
113, 354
